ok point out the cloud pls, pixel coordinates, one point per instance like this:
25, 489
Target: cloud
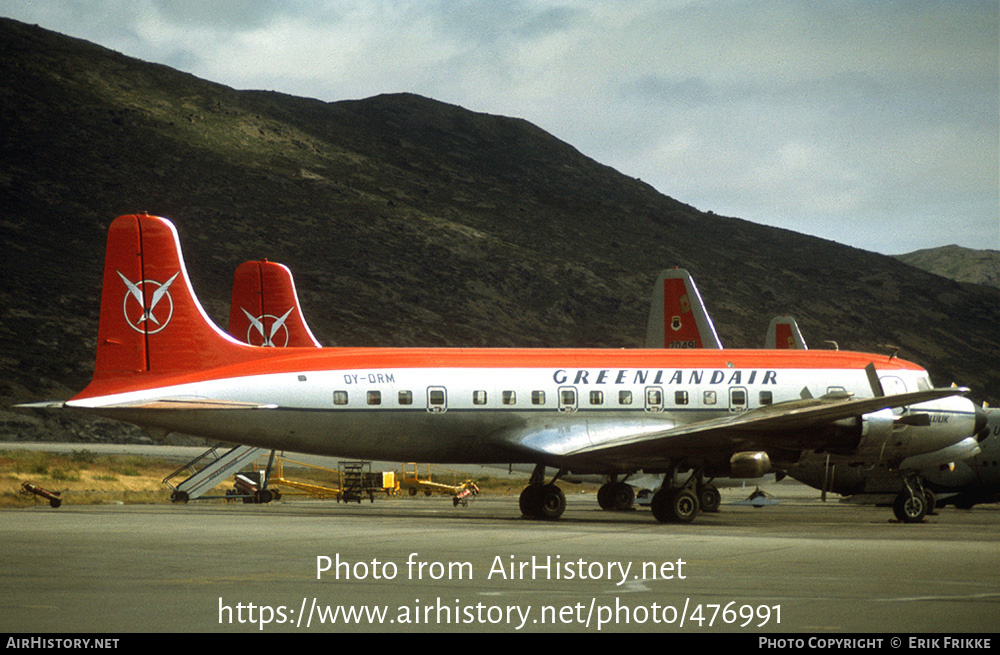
874, 124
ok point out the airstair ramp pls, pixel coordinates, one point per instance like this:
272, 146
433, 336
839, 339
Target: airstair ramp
209, 469
302, 487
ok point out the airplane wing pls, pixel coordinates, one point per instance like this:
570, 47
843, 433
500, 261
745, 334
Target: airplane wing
645, 442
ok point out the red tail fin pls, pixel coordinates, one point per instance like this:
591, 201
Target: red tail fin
677, 315
265, 308
151, 321
784, 334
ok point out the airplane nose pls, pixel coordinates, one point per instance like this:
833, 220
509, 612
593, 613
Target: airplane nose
981, 430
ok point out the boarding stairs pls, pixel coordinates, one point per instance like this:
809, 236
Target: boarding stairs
208, 470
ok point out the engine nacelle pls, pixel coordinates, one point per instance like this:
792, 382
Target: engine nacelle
876, 431
749, 464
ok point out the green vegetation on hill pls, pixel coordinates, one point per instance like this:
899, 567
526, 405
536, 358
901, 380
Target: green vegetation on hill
957, 263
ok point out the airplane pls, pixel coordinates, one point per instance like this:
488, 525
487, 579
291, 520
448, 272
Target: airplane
163, 365
784, 333
677, 316
963, 482
265, 309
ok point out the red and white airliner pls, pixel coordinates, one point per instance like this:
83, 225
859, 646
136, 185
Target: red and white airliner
162, 364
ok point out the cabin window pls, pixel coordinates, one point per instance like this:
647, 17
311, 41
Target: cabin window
478, 397
710, 398
339, 397
766, 398
436, 397
537, 397
405, 397
374, 397
509, 398
596, 397
654, 397
624, 397
681, 397
567, 397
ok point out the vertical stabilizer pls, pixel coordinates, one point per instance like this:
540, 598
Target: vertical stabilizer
784, 334
151, 321
677, 315
265, 308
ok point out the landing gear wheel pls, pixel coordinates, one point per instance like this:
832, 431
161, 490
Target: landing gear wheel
542, 501
616, 496
910, 508
710, 499
674, 506
603, 500
621, 496
552, 503
529, 500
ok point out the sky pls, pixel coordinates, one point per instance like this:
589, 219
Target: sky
872, 123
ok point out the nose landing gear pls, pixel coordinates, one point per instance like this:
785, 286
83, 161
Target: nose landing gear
911, 505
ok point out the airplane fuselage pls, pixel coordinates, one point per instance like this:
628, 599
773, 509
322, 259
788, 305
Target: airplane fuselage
499, 405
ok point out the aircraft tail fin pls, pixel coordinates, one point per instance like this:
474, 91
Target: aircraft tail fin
783, 333
265, 308
151, 321
677, 314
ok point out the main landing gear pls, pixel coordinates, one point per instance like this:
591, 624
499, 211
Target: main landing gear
615, 496
540, 500
681, 504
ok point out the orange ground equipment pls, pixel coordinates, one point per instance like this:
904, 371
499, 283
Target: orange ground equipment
29, 488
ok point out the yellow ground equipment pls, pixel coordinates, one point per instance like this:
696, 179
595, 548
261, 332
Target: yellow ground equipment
350, 482
419, 477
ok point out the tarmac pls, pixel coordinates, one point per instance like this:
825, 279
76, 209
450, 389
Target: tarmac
421, 564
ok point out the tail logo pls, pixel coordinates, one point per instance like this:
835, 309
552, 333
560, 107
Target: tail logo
675, 323
258, 335
157, 314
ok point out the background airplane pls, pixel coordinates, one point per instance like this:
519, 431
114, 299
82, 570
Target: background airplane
677, 316
974, 476
265, 310
784, 333
576, 410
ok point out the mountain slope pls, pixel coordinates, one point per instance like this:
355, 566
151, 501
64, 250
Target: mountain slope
958, 263
406, 222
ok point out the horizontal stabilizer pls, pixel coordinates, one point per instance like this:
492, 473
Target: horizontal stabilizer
45, 404
180, 404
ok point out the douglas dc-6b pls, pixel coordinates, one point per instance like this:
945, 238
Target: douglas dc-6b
163, 365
